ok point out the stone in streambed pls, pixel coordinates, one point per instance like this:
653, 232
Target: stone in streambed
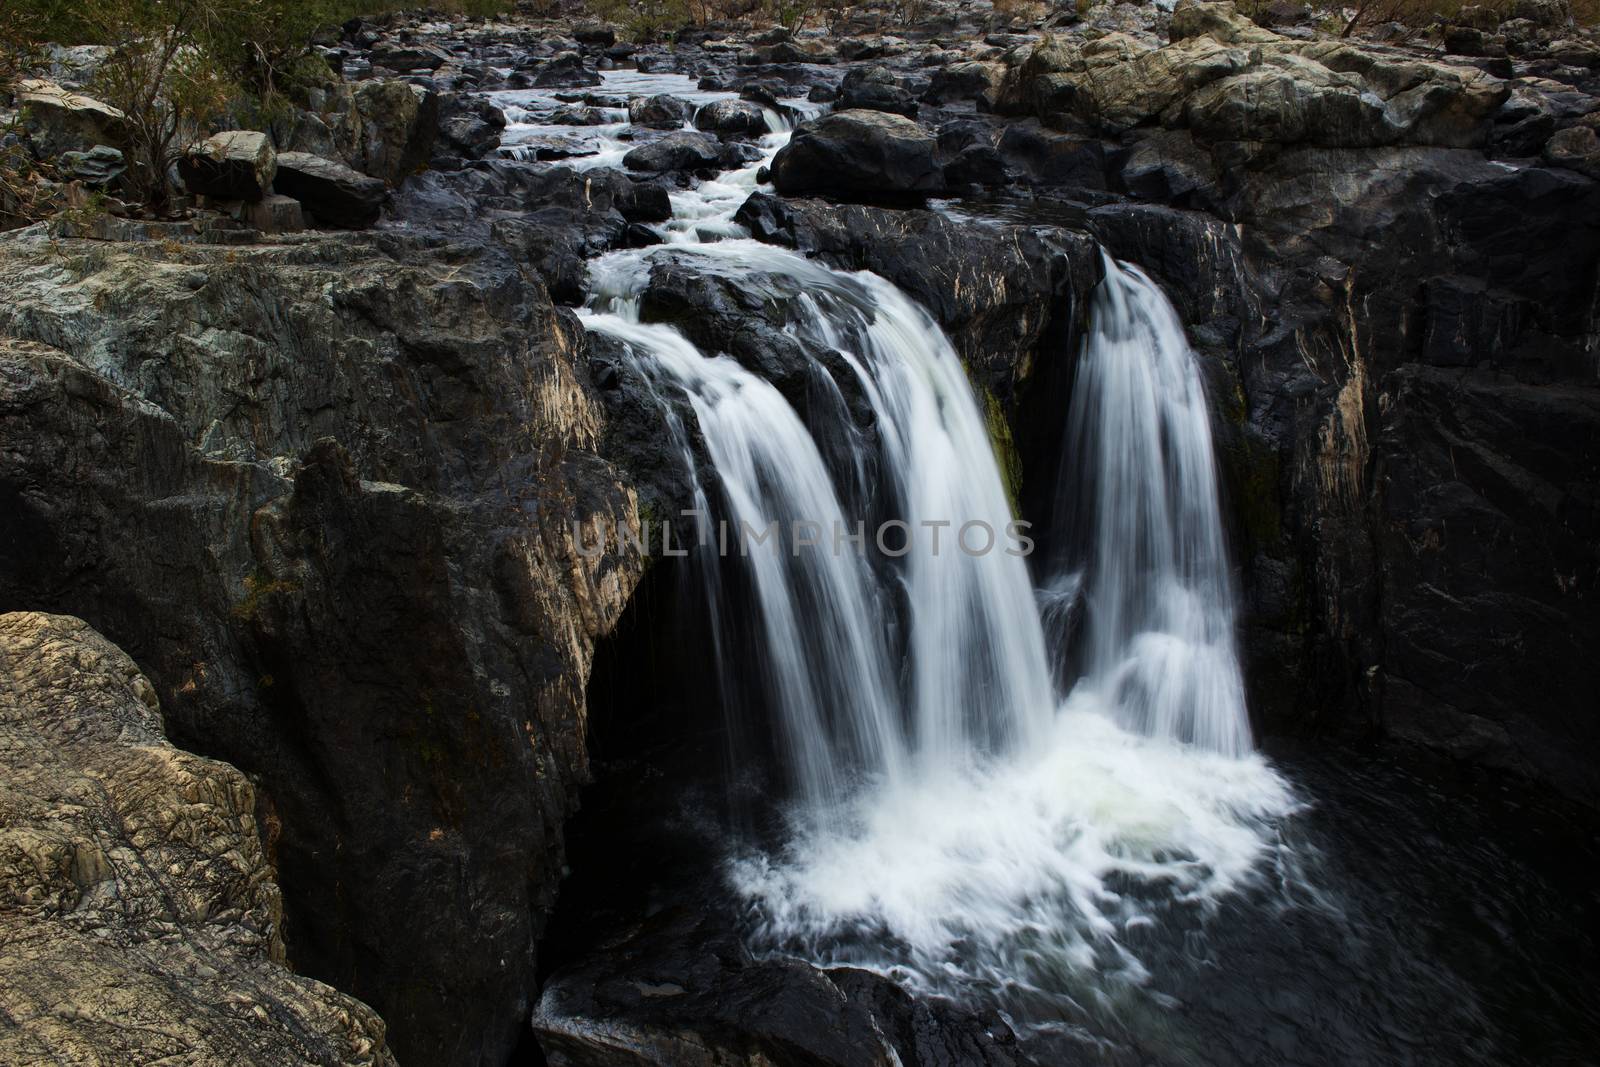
859, 154
469, 125
660, 112
732, 118
566, 69
683, 150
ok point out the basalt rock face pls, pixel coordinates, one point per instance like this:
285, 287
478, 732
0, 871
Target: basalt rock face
1388, 263
139, 916
324, 491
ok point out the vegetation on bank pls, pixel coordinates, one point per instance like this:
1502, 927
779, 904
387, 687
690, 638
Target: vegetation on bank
173, 68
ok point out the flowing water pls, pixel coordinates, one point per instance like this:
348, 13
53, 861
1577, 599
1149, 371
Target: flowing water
1145, 564
958, 817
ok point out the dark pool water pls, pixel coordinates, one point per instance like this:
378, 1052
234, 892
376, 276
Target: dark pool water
1452, 919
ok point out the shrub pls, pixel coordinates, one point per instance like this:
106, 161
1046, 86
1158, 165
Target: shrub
644, 20
26, 192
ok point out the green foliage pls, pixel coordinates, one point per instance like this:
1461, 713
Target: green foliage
176, 65
644, 20
24, 186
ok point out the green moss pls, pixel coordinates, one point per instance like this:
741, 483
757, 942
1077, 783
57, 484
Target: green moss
1003, 445
257, 588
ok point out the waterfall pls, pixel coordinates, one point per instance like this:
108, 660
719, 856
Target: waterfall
1144, 560
848, 712
953, 819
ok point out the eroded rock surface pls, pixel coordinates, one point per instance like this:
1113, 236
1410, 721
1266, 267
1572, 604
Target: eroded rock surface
139, 918
325, 491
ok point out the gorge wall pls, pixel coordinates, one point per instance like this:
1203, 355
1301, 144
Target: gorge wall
324, 493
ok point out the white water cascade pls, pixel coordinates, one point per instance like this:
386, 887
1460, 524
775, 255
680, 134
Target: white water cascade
1145, 555
955, 820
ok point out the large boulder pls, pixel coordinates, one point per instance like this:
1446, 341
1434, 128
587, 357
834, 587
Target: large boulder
859, 155
330, 192
139, 913
234, 165
1233, 81
1576, 147
59, 121
878, 96
1290, 100
398, 123
469, 125
566, 70
405, 58
684, 150
1220, 21
661, 112
972, 80
732, 118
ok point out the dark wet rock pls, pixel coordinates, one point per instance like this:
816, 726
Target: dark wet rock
594, 34
999, 292
877, 96
677, 990
764, 93
1168, 167
332, 193
1485, 532
972, 160
1468, 41
732, 118
661, 112
858, 155
236, 165
326, 490
554, 250
1046, 157
470, 125
964, 81
568, 68
405, 58
1523, 124
579, 116
640, 201
1577, 148
735, 154
595, 205
684, 150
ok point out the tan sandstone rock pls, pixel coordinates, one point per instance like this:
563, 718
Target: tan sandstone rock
139, 917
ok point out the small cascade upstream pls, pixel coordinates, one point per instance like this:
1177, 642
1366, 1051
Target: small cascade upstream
954, 819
